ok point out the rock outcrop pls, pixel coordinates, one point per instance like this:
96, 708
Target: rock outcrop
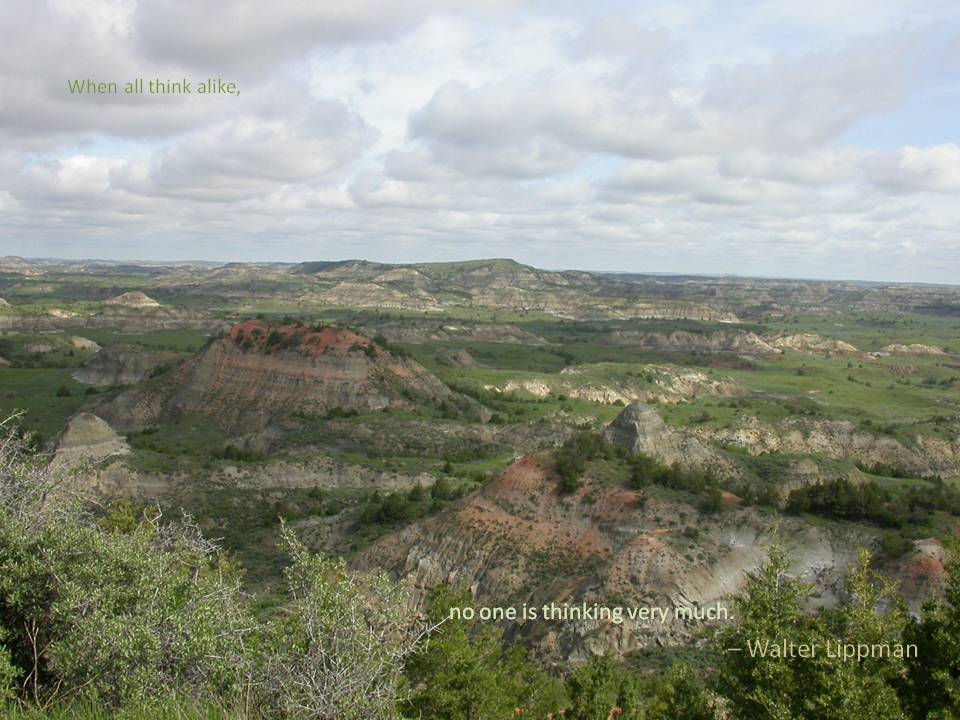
812, 343
133, 299
839, 439
426, 331
121, 365
912, 349
519, 540
460, 358
641, 430
736, 341
57, 341
82, 343
87, 438
600, 383
497, 283
122, 318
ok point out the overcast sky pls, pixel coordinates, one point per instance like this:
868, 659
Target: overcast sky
805, 139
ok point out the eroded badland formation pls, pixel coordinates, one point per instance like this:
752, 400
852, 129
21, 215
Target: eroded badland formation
535, 436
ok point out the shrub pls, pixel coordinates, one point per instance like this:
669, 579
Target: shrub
238, 454
122, 617
442, 489
894, 546
464, 671
571, 459
338, 650
713, 501
8, 672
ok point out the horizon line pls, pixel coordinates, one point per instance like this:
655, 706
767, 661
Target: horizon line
656, 273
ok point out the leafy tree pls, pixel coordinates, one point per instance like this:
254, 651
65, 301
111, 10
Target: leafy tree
599, 687
463, 672
816, 687
682, 694
931, 690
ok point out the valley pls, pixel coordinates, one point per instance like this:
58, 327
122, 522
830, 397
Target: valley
530, 435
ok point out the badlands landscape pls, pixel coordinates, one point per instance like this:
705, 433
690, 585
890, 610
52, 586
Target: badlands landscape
524, 435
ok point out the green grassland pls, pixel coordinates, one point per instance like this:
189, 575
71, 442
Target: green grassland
35, 391
181, 340
871, 331
874, 393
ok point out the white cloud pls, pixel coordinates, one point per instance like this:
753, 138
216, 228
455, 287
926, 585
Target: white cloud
684, 137
917, 169
248, 156
207, 35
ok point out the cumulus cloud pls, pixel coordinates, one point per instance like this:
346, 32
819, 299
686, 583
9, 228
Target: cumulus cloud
205, 34
686, 137
917, 169
248, 155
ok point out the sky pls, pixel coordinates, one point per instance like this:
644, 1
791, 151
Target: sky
778, 138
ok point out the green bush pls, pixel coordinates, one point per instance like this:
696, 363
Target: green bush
570, 461
124, 617
120, 617
8, 672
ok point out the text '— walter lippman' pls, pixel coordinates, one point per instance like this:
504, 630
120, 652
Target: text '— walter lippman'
844, 651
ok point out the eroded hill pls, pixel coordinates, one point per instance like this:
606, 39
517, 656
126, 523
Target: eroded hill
259, 372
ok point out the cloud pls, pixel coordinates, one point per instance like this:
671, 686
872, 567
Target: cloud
917, 169
790, 103
685, 137
249, 155
620, 38
75, 180
798, 102
207, 35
